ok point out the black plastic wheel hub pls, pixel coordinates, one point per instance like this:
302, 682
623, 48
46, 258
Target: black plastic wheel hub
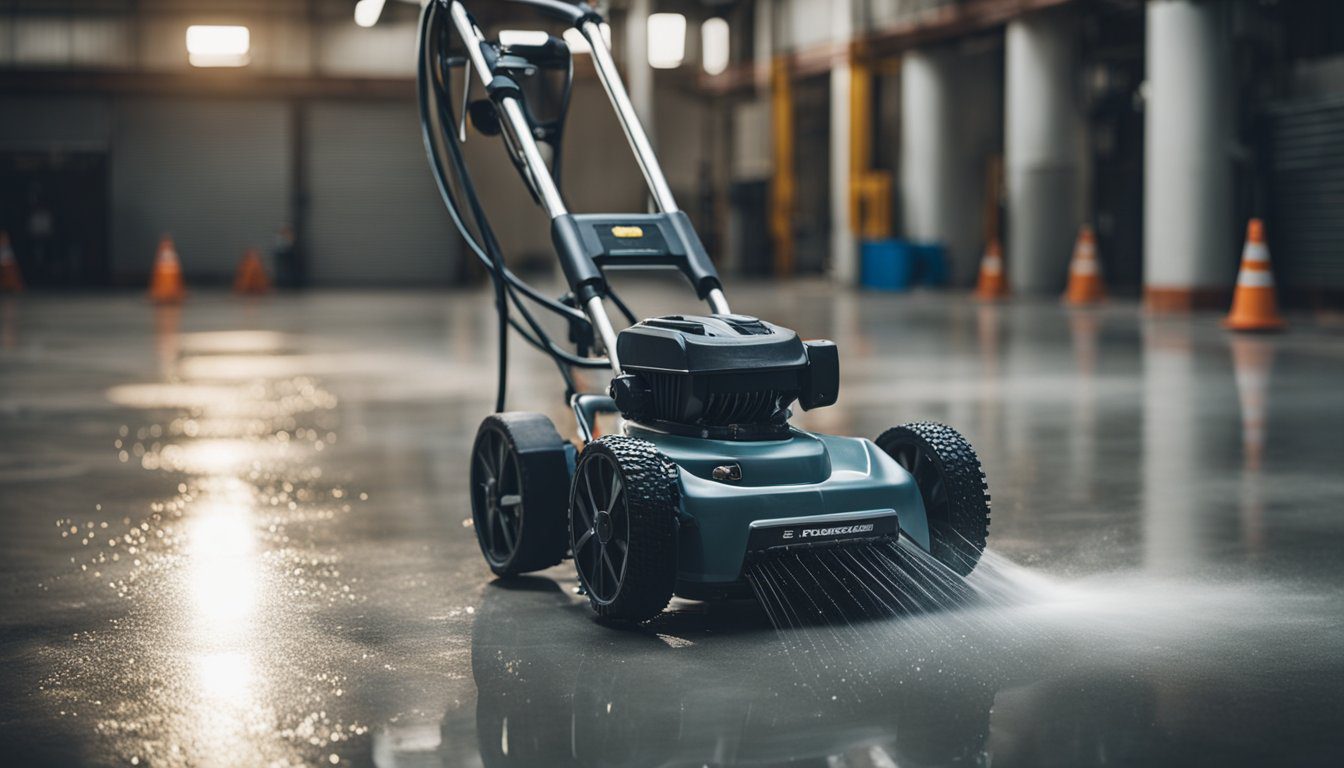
604, 527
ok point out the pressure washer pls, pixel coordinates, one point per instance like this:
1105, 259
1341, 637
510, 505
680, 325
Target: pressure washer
707, 478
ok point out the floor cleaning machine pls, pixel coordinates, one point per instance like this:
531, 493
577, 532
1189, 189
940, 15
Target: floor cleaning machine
707, 476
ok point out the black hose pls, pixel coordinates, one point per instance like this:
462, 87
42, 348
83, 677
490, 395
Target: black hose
495, 262
543, 340
427, 19
450, 202
507, 285
615, 299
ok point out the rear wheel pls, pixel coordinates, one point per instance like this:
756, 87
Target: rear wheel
518, 471
952, 484
622, 527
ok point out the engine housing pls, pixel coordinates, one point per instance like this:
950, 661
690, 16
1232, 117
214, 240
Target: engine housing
730, 375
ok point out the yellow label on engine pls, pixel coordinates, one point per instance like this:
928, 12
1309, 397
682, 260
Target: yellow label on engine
628, 232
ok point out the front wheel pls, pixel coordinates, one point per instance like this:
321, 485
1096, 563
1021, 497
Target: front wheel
952, 484
518, 471
623, 527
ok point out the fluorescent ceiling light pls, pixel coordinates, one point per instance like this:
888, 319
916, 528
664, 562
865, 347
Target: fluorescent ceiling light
218, 46
511, 37
579, 44
667, 40
714, 45
367, 12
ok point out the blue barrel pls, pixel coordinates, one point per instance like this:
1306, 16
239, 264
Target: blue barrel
886, 265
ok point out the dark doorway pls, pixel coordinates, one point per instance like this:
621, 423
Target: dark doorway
54, 206
812, 159
751, 204
1115, 73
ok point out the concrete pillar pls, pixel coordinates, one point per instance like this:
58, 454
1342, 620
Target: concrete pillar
638, 73
940, 199
763, 39
1189, 248
950, 125
844, 245
1043, 149
928, 153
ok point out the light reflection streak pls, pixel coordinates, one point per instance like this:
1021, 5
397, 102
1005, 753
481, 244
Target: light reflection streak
1173, 539
1084, 330
233, 342
217, 398
223, 569
236, 443
1252, 365
215, 457
224, 677
167, 339
243, 367
223, 588
9, 324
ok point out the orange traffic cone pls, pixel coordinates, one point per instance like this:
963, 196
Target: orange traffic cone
11, 280
165, 285
251, 278
1084, 271
992, 284
1253, 304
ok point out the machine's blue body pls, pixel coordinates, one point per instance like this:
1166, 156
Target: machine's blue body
803, 475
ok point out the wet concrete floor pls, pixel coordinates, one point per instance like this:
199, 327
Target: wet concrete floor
237, 533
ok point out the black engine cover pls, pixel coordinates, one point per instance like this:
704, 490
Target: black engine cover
721, 371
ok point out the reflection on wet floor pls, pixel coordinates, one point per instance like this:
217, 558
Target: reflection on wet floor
208, 573
1037, 672
9, 326
235, 536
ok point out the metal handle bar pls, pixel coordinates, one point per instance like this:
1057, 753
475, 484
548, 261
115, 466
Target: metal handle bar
573, 13
520, 131
634, 131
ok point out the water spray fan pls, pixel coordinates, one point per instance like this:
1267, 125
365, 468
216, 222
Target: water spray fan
708, 491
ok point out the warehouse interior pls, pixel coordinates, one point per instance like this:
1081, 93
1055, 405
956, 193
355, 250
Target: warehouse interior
245, 352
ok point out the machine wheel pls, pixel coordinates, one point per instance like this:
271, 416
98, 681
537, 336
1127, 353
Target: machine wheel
518, 467
623, 527
952, 484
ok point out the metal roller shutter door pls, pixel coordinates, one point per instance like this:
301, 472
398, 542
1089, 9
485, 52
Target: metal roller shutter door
1307, 195
44, 123
374, 214
215, 174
